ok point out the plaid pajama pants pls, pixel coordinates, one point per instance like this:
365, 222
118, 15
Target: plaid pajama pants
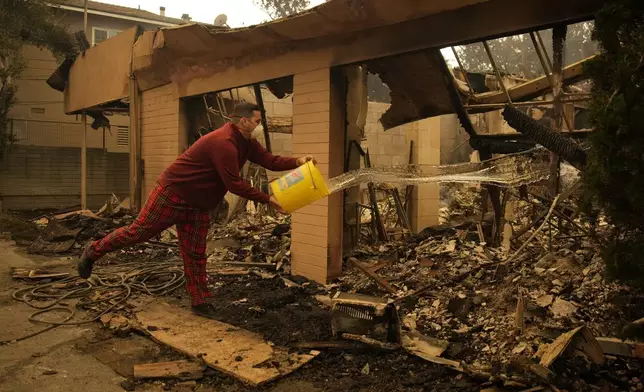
162, 210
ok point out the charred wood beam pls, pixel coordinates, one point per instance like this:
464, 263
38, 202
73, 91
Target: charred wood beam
260, 103
553, 141
558, 42
510, 144
521, 138
500, 146
495, 198
455, 99
375, 211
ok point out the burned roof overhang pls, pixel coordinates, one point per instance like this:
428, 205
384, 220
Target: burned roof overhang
198, 60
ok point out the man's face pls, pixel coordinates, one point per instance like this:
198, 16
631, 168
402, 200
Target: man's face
249, 124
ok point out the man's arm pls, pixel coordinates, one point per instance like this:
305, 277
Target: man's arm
262, 157
224, 156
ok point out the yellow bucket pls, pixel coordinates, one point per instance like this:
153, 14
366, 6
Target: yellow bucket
300, 187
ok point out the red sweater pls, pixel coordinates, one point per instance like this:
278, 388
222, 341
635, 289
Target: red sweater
210, 167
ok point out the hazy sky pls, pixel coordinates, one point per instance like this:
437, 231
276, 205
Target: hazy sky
240, 12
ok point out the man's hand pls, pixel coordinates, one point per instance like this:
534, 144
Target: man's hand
307, 158
277, 206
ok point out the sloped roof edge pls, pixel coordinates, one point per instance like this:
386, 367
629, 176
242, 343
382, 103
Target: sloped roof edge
120, 10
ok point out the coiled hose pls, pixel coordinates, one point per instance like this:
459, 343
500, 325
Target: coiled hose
109, 289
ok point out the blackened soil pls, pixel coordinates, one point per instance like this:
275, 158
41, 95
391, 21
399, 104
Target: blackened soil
387, 371
347, 371
286, 315
283, 315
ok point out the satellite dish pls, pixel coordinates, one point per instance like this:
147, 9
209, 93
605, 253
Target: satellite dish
220, 20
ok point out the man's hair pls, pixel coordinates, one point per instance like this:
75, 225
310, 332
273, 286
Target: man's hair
243, 109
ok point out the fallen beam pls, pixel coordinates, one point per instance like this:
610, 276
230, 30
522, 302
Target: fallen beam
535, 87
370, 341
582, 339
35, 274
381, 281
269, 266
620, 348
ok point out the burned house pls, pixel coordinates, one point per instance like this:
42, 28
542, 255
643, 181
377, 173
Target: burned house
319, 58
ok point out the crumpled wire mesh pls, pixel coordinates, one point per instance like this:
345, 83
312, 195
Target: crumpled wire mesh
510, 170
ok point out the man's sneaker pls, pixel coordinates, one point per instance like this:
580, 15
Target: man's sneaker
204, 310
85, 264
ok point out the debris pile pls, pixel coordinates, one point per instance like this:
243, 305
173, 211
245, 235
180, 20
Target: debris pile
251, 240
441, 304
19, 230
65, 231
498, 310
459, 201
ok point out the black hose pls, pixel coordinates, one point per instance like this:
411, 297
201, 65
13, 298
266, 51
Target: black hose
127, 278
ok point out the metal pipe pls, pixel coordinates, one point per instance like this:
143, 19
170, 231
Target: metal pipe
577, 94
358, 221
205, 102
537, 47
84, 141
549, 234
460, 65
571, 127
455, 98
84, 164
526, 103
85, 19
545, 51
550, 78
573, 237
49, 121
496, 71
222, 106
260, 102
558, 51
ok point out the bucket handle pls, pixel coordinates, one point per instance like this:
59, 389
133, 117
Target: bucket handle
311, 175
